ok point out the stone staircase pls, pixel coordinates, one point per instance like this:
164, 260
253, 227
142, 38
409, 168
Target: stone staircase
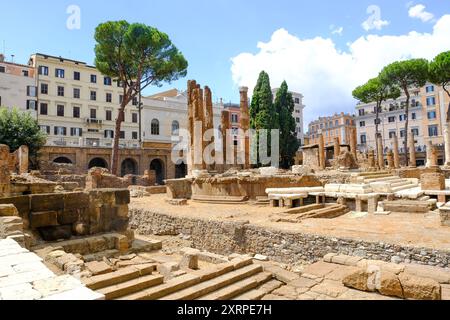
384, 182
240, 278
314, 211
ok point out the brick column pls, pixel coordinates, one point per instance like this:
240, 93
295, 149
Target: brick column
199, 129
396, 151
225, 126
4, 171
371, 158
322, 158
412, 150
429, 150
245, 124
390, 160
209, 119
353, 147
380, 152
192, 84
434, 156
337, 148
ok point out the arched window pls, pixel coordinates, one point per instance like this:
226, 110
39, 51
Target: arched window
155, 127
175, 128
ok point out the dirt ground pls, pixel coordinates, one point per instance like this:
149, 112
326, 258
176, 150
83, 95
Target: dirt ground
398, 228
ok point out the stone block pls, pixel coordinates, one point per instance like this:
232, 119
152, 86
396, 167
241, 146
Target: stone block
22, 203
97, 268
121, 211
44, 219
167, 269
68, 216
8, 210
122, 197
419, 288
47, 202
190, 258
389, 284
56, 285
76, 200
121, 243
96, 244
432, 181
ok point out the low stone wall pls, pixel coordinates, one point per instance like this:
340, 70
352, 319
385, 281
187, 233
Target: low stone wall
281, 246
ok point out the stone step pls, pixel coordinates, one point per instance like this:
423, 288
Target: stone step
131, 286
109, 279
214, 284
186, 281
401, 183
220, 199
424, 198
304, 209
239, 287
381, 179
328, 212
409, 186
252, 295
373, 173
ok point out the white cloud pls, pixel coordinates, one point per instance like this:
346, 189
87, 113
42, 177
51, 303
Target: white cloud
337, 30
418, 12
325, 75
374, 21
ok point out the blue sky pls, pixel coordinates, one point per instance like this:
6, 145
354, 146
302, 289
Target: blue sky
210, 32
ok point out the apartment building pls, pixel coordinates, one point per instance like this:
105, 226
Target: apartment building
78, 106
298, 113
427, 114
235, 119
17, 86
339, 125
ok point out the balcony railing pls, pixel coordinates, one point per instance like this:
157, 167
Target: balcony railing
91, 143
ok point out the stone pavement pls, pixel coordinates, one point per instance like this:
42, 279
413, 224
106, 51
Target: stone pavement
23, 276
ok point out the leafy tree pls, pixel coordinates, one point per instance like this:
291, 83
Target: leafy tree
376, 91
262, 110
439, 73
138, 56
18, 129
289, 144
406, 74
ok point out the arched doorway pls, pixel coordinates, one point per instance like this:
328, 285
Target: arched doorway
129, 166
180, 170
98, 162
158, 166
62, 160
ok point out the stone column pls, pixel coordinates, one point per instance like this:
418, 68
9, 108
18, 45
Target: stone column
412, 150
23, 155
209, 120
429, 150
353, 148
371, 158
396, 152
199, 129
322, 159
337, 148
245, 125
224, 127
434, 156
192, 84
380, 152
447, 144
390, 160
4, 171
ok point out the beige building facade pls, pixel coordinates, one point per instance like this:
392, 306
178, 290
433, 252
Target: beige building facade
340, 126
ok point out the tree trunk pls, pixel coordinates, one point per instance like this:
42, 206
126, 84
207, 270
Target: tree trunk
115, 149
377, 117
406, 126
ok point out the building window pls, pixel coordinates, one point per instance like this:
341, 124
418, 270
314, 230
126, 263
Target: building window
43, 70
362, 124
60, 131
60, 91
234, 118
76, 132
59, 73
134, 135
135, 101
44, 88
76, 93
31, 91
122, 134
93, 113
431, 115
402, 117
134, 117
361, 112
363, 139
25, 73
429, 89
432, 131
60, 110
402, 133
377, 121
107, 81
297, 120
93, 78
155, 127
45, 129
44, 109
76, 76
391, 134
2, 69
175, 128
297, 101
415, 132
31, 104
413, 116
93, 95
391, 119
119, 84
109, 97
431, 101
108, 115
336, 123
109, 134
121, 99
76, 112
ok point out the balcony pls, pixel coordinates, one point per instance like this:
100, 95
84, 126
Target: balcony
94, 121
91, 143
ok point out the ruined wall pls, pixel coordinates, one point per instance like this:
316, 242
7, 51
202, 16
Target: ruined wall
62, 215
281, 246
311, 158
4, 171
251, 187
